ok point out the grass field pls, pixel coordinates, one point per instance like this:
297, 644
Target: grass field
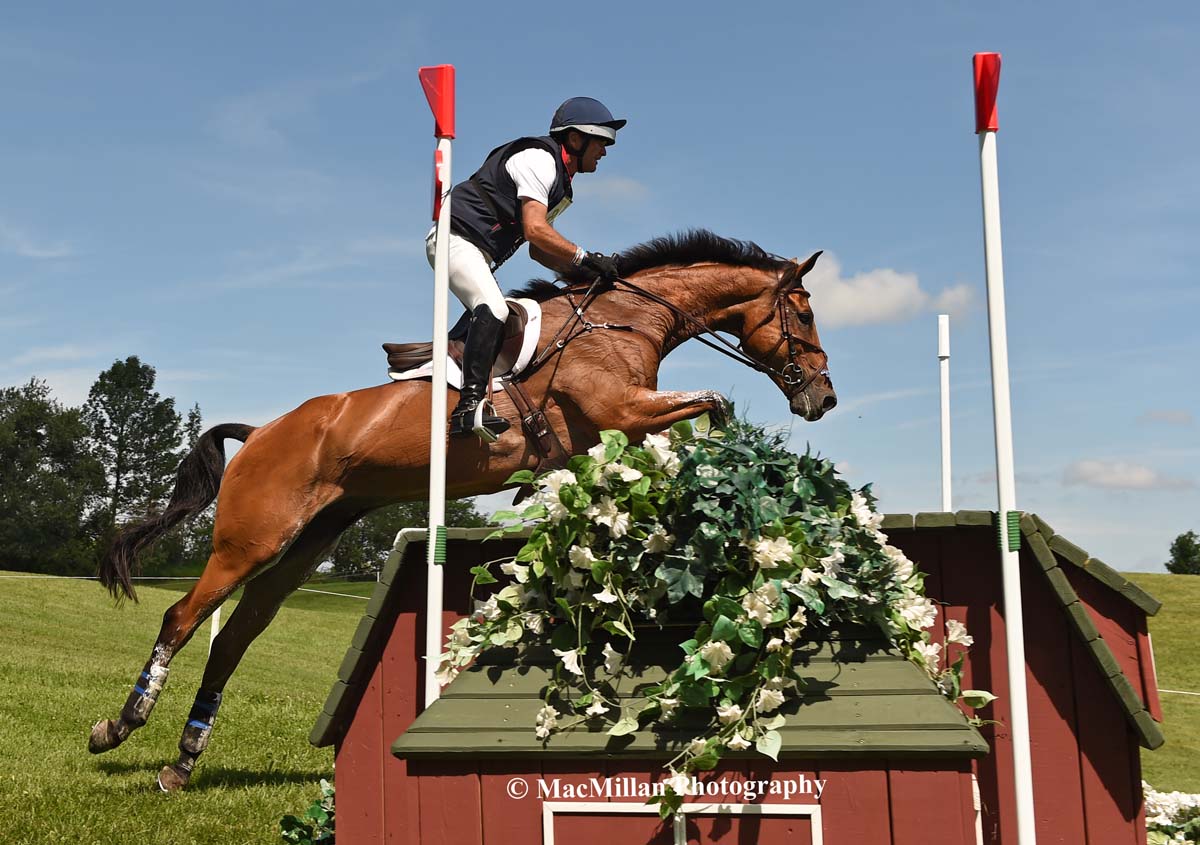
1175, 632
69, 658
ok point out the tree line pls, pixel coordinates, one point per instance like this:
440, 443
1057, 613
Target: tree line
71, 477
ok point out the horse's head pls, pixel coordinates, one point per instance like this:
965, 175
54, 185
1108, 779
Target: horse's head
780, 333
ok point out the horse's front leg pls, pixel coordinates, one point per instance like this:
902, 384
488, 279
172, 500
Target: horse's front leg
645, 411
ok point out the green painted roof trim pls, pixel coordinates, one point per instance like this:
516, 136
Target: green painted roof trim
1048, 548
862, 698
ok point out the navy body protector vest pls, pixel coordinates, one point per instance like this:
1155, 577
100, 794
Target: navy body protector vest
485, 209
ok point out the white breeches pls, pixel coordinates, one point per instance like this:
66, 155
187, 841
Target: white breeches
471, 278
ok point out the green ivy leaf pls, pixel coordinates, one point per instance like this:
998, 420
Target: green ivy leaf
976, 698
724, 629
626, 725
482, 575
751, 633
769, 744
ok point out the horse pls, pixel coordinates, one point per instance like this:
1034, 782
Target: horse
302, 479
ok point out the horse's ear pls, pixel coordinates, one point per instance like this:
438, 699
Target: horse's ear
806, 266
795, 275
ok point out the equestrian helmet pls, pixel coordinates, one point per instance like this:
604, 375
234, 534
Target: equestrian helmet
591, 117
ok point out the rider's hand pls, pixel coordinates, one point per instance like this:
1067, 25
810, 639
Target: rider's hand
605, 266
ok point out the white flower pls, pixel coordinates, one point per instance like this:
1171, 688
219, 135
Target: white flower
547, 719
680, 784
598, 708
773, 644
756, 608
659, 541
831, 564
902, 567
604, 596
627, 474
792, 634
446, 671
769, 553
862, 512
917, 611
808, 577
459, 635
707, 471
929, 653
737, 743
575, 579
659, 447
956, 632
729, 713
607, 513
799, 618
486, 611
570, 659
697, 746
535, 623
769, 700
597, 452
612, 659
555, 480
668, 706
581, 557
518, 571
716, 654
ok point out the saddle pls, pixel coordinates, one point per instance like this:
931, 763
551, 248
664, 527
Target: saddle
521, 330
407, 361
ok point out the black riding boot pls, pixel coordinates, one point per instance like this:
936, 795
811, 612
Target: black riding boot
473, 414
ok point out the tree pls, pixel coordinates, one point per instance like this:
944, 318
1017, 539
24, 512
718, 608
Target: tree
1185, 554
138, 438
50, 484
365, 545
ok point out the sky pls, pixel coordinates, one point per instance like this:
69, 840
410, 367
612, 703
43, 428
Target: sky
238, 194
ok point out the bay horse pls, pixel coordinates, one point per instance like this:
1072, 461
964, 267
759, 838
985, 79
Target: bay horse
302, 479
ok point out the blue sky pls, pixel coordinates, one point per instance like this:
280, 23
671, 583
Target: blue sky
238, 194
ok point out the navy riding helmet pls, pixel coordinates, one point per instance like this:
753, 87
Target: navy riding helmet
591, 117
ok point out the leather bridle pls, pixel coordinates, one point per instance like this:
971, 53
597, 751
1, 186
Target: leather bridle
792, 375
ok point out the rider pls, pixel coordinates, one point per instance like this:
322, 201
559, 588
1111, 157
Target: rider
514, 197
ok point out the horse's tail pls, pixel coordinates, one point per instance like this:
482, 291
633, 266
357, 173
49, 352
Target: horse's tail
196, 483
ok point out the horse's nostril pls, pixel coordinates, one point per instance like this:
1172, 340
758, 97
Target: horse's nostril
828, 403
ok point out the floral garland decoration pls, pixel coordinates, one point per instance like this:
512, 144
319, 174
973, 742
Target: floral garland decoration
773, 547
1172, 818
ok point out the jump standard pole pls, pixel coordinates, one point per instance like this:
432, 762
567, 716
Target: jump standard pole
944, 367
987, 80
438, 83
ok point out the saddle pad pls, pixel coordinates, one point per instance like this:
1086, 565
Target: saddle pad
529, 341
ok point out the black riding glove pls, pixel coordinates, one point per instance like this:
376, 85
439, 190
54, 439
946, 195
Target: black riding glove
605, 266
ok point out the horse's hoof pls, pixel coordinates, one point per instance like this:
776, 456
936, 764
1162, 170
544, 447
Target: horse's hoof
106, 735
172, 779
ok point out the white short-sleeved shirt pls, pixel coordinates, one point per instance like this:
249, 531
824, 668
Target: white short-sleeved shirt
533, 171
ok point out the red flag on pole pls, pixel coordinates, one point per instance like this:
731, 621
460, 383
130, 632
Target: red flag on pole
987, 80
438, 82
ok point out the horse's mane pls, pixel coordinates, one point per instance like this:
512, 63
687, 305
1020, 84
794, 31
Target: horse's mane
690, 247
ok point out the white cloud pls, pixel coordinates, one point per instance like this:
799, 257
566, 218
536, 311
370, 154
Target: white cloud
19, 242
612, 188
1120, 475
883, 295
1170, 416
38, 354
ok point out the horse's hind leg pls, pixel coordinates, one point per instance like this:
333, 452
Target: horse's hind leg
259, 603
181, 620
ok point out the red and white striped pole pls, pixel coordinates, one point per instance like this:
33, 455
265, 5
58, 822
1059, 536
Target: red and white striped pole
438, 82
987, 80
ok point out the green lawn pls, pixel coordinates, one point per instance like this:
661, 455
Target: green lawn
1175, 632
69, 658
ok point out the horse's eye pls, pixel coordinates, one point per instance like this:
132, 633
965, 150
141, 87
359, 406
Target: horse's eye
805, 318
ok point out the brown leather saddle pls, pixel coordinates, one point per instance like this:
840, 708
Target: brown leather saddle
408, 356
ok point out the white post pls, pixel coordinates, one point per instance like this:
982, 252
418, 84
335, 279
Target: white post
944, 366
438, 82
987, 79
